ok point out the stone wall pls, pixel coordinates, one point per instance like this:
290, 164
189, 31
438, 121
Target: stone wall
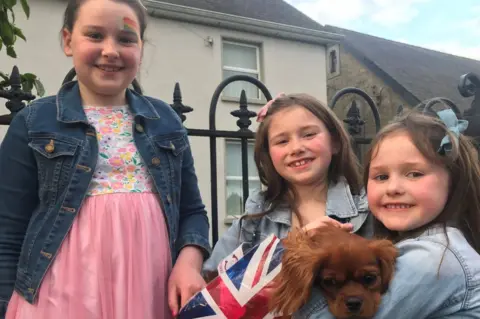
354, 74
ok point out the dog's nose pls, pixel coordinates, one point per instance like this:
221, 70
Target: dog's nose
354, 304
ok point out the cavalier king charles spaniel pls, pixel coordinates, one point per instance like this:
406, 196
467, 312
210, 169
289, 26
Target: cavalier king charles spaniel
352, 272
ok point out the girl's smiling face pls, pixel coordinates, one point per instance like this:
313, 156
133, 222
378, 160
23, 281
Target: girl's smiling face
106, 47
300, 146
405, 191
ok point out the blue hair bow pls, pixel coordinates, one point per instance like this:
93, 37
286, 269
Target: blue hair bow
454, 125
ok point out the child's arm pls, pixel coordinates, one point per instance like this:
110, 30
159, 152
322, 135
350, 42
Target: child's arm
417, 290
193, 226
227, 243
235, 236
18, 199
192, 242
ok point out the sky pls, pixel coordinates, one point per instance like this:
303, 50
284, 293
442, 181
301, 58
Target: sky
451, 26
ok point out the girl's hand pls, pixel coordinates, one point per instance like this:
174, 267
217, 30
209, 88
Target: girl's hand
327, 221
186, 279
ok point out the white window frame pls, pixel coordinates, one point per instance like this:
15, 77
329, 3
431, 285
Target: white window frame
244, 70
229, 218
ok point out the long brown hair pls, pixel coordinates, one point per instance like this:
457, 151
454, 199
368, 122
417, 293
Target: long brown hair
462, 208
344, 163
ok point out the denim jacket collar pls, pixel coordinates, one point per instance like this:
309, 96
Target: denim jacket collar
70, 109
340, 203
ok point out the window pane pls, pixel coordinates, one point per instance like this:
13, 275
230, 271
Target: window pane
235, 89
234, 159
239, 56
235, 196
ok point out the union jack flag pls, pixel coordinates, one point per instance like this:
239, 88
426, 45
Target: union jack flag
241, 288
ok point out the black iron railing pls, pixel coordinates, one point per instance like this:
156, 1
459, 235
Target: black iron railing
468, 87
15, 97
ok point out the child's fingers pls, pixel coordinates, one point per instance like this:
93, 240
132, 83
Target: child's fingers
347, 227
185, 296
325, 221
173, 300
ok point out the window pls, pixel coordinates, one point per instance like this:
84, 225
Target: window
234, 176
333, 61
239, 58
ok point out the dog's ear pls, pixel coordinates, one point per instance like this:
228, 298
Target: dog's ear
386, 254
300, 263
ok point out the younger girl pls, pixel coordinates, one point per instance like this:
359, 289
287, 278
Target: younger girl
424, 188
98, 194
305, 159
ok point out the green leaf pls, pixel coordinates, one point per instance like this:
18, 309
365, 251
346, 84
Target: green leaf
4, 85
27, 86
13, 15
103, 155
18, 32
39, 87
6, 33
11, 52
4, 76
29, 77
1, 44
9, 3
26, 8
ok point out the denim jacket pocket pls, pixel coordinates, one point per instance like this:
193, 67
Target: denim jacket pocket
55, 156
176, 145
171, 149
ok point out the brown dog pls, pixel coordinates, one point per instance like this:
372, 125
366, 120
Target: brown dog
351, 271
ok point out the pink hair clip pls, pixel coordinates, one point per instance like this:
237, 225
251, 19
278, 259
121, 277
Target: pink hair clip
264, 110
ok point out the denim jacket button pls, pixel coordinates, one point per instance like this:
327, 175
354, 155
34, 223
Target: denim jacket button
139, 128
69, 209
47, 255
50, 147
85, 168
156, 161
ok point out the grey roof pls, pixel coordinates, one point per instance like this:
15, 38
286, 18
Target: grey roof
414, 72
268, 10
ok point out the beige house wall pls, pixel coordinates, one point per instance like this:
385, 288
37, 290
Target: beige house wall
178, 52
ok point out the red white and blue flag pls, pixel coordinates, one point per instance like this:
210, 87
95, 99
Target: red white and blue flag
241, 289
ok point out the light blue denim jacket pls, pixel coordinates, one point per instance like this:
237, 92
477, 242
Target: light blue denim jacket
42, 189
420, 289
340, 203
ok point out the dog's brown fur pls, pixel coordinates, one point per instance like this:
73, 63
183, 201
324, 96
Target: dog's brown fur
352, 272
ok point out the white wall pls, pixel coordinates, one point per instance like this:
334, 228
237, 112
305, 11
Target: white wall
176, 52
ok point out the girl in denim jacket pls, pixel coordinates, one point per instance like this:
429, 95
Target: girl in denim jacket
98, 193
305, 160
423, 186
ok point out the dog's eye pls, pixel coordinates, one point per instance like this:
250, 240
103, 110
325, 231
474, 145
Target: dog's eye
329, 282
369, 279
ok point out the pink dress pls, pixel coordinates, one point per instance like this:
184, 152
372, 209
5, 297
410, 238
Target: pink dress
115, 261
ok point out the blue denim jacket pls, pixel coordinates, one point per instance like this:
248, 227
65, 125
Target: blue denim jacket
340, 203
42, 189
420, 288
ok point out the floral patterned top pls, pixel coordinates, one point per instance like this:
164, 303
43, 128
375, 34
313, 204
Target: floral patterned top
120, 169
